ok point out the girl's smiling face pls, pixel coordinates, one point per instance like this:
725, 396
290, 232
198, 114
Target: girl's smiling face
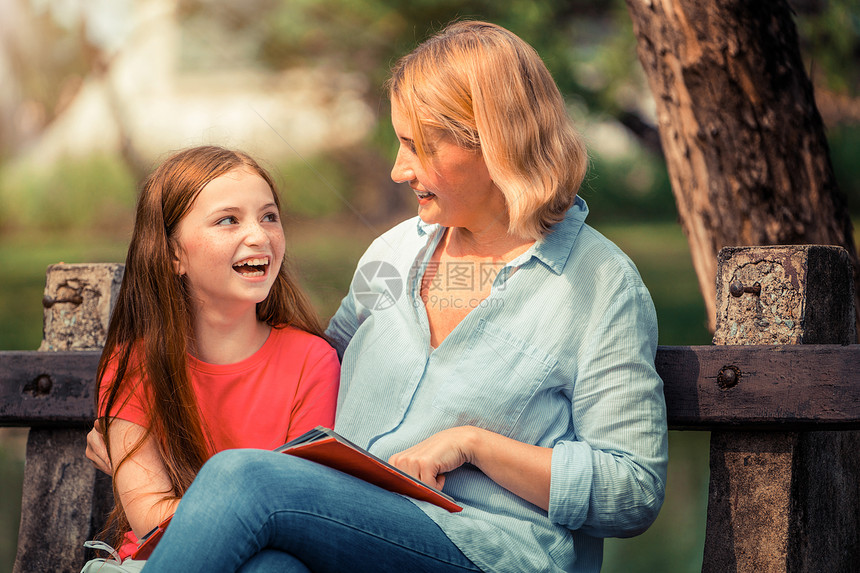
230, 244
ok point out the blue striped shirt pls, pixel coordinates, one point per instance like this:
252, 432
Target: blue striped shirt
561, 355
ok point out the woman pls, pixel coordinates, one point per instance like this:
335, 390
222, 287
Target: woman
496, 347
209, 331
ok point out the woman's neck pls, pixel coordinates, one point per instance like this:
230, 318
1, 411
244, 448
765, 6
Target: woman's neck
491, 243
227, 339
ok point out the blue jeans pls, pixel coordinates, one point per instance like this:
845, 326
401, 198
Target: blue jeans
254, 510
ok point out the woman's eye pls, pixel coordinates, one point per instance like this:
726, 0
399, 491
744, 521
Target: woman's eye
227, 221
270, 218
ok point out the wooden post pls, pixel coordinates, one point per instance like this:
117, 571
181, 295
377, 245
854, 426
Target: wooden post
783, 502
62, 490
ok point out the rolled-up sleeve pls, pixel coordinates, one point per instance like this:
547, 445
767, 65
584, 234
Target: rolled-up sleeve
610, 480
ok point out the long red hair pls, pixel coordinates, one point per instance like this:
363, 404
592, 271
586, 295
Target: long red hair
151, 333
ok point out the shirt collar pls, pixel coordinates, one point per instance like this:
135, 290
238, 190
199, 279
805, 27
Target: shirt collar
426, 228
554, 249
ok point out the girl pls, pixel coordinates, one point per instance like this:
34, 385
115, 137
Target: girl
211, 345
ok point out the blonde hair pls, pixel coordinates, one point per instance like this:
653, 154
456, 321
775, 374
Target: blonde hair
490, 91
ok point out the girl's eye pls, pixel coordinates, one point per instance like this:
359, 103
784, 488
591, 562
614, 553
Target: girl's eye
227, 221
270, 218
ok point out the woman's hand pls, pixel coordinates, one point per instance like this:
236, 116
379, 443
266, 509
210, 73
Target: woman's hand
97, 450
428, 461
520, 468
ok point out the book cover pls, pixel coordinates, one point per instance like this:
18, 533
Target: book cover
147, 543
326, 447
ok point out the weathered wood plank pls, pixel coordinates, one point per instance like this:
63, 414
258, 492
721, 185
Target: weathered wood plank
47, 388
788, 387
791, 387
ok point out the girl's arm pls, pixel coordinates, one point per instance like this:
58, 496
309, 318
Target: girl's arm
141, 481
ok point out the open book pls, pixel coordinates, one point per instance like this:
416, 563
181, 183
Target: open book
326, 447
146, 544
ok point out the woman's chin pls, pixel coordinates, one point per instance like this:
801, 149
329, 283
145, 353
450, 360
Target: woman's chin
429, 216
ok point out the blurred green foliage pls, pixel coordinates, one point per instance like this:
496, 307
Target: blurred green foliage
94, 194
313, 188
588, 46
844, 141
829, 33
634, 187
21, 289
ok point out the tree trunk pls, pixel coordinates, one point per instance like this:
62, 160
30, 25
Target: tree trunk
744, 142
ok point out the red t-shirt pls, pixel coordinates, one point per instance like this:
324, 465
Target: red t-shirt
286, 388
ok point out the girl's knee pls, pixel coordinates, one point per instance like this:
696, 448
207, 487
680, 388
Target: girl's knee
231, 466
244, 473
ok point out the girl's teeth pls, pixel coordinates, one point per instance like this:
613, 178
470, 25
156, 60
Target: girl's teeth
252, 262
252, 267
247, 271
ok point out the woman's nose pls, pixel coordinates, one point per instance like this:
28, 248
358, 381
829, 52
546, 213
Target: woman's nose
401, 172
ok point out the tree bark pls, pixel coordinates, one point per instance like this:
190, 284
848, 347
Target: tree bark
743, 140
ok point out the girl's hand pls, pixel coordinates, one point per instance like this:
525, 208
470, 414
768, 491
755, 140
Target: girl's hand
97, 450
428, 461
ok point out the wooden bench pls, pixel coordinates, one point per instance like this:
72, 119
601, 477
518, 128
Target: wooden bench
779, 391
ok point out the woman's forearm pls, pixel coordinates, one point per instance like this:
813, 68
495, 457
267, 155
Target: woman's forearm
522, 469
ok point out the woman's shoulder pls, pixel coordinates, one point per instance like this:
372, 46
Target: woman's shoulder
399, 245
411, 226
412, 230
604, 259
